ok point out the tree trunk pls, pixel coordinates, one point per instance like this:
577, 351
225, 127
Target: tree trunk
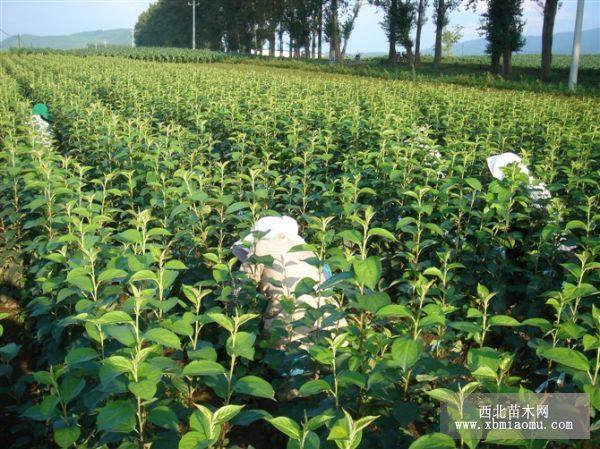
506, 61
291, 47
320, 30
439, 28
272, 39
495, 66
313, 49
392, 37
280, 32
409, 55
392, 52
420, 20
550, 8
344, 48
335, 32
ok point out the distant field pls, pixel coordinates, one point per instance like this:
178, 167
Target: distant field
532, 61
464, 70
470, 70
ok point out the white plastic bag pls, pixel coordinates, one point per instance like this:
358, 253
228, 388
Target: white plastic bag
272, 226
496, 163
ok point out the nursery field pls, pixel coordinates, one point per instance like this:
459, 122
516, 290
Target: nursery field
127, 322
459, 70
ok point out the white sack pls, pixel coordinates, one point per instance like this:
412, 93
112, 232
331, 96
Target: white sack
272, 226
42, 129
287, 270
496, 163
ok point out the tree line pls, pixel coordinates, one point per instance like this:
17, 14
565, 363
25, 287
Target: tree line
302, 27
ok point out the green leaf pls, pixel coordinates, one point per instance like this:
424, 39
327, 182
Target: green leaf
82, 282
119, 363
381, 233
70, 387
406, 352
80, 355
222, 320
465, 326
163, 337
351, 235
287, 426
114, 317
67, 436
242, 345
175, 265
144, 389
131, 235
203, 368
567, 357
372, 302
313, 387
394, 311
367, 272
443, 395
143, 275
254, 386
235, 207
576, 224
154, 232
503, 320
9, 351
110, 274
340, 430
433, 441
317, 421
226, 413
117, 416
335, 280
474, 184
433, 271
194, 440
44, 410
43, 377
163, 416
123, 334
479, 357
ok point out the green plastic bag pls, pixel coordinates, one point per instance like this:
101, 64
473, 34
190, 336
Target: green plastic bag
42, 110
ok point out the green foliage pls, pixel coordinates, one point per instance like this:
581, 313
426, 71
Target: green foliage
445, 280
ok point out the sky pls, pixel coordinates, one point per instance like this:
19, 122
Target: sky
54, 17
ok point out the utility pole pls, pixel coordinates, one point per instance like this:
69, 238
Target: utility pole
576, 47
19, 40
132, 38
193, 5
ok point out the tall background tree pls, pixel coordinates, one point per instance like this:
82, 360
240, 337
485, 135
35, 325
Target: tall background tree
503, 28
168, 23
421, 19
550, 9
399, 17
249, 25
441, 13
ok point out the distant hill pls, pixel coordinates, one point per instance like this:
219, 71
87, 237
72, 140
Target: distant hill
561, 45
78, 40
